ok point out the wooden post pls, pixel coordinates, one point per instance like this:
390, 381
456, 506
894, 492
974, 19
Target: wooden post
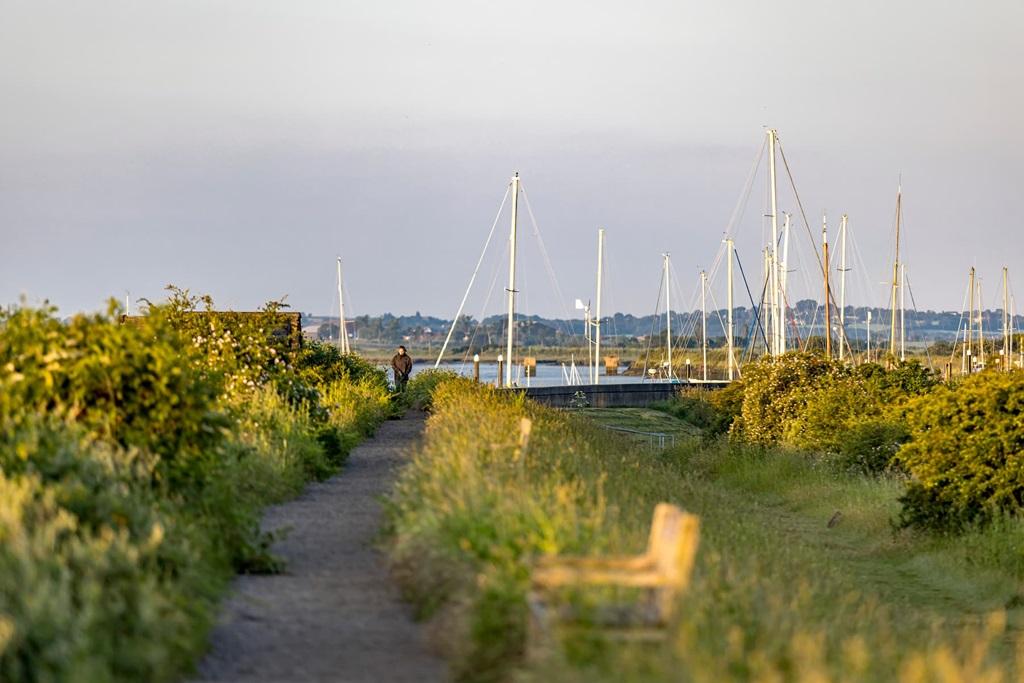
476, 367
501, 367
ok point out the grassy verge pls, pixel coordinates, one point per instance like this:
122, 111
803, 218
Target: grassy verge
777, 594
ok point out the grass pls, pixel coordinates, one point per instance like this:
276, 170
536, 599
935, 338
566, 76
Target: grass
777, 594
640, 420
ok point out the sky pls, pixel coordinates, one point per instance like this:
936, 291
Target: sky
237, 148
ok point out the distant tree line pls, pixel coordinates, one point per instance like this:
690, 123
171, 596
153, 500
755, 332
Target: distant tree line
625, 329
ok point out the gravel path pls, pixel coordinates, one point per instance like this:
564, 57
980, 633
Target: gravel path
333, 615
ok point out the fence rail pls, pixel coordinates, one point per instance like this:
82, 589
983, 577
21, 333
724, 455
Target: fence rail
660, 438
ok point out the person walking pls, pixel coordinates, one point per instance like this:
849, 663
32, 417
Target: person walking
401, 364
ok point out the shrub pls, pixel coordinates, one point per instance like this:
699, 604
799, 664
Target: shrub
965, 452
134, 459
98, 579
870, 446
137, 385
321, 363
776, 391
829, 408
711, 411
904, 380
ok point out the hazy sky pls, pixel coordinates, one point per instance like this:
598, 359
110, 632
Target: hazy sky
237, 147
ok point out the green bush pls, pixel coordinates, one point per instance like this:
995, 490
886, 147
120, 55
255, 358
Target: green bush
322, 363
903, 381
134, 460
711, 411
99, 578
776, 392
965, 452
870, 446
139, 386
828, 410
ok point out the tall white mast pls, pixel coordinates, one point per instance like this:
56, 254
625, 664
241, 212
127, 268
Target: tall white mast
597, 322
668, 314
729, 339
903, 312
981, 325
588, 335
895, 273
510, 333
1006, 325
704, 321
842, 286
776, 326
970, 324
828, 294
342, 330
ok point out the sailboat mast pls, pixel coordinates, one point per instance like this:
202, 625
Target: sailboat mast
895, 274
783, 282
342, 330
828, 308
510, 332
597, 322
1006, 324
704, 320
842, 286
729, 249
869, 336
766, 293
774, 269
903, 312
970, 326
981, 326
668, 315
970, 323
587, 336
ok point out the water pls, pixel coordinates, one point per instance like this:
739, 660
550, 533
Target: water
548, 374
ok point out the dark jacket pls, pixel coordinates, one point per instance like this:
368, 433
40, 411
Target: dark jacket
401, 364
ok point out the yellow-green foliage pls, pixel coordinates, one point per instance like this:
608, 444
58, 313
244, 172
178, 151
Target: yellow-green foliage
471, 510
966, 453
471, 506
776, 391
419, 393
134, 459
803, 401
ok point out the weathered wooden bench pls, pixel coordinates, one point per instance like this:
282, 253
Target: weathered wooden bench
663, 572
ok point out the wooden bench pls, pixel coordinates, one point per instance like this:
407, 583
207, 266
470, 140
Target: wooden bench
663, 572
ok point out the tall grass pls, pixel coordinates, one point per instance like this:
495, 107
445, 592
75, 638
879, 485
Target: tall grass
776, 594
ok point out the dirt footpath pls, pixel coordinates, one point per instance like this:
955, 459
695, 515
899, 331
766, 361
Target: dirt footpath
333, 615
